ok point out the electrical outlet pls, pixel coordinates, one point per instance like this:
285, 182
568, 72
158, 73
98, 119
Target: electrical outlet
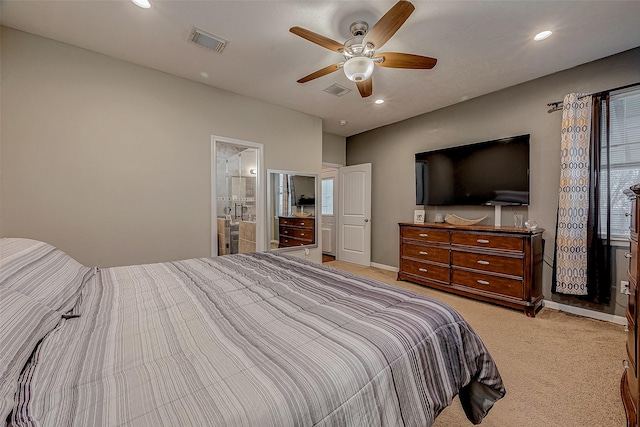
306, 255
624, 287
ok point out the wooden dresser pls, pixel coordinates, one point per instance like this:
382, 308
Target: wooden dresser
629, 385
296, 231
502, 265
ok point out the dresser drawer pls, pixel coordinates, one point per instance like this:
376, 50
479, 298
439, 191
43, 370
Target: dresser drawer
631, 305
426, 253
487, 282
303, 233
428, 271
634, 216
633, 261
493, 263
426, 234
631, 355
510, 243
286, 242
297, 222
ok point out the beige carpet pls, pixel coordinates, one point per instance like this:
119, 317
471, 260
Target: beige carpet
559, 369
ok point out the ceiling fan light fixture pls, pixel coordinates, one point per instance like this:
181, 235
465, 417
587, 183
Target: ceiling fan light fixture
358, 69
142, 3
543, 35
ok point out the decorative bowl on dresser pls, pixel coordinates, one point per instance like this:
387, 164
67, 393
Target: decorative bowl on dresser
629, 388
501, 265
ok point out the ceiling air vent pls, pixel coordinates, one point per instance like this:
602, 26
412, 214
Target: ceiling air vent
207, 40
336, 89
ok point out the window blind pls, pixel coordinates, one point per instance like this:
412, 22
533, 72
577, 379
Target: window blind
623, 158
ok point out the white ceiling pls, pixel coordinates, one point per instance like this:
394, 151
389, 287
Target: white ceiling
481, 46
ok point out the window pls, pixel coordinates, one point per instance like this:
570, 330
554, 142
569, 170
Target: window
327, 196
623, 158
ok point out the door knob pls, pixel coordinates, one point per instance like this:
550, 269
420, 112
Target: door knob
366, 220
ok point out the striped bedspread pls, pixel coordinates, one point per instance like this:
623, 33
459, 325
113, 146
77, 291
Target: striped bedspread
253, 340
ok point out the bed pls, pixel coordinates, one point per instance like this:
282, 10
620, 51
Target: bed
260, 339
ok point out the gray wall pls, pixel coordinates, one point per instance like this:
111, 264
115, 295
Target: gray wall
334, 149
111, 161
517, 110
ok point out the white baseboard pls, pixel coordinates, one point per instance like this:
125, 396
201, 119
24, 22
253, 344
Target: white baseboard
384, 267
620, 320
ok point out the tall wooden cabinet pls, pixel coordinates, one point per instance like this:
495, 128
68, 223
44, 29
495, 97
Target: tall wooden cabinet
502, 265
629, 385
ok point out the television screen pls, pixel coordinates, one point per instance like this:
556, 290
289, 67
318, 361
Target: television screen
485, 173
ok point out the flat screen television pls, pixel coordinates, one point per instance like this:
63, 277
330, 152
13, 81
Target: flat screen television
485, 173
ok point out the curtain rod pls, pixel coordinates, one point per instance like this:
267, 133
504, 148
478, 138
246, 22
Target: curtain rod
557, 105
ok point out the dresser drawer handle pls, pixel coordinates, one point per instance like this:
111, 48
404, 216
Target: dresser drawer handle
483, 282
482, 241
627, 255
424, 235
424, 270
302, 223
627, 214
483, 262
424, 253
301, 234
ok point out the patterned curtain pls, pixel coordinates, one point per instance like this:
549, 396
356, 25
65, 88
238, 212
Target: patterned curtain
573, 205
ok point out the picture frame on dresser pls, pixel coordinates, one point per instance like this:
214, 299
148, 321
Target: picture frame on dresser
500, 265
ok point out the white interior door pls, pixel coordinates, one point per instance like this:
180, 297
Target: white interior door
354, 242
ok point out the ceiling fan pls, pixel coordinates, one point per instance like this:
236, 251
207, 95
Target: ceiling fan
360, 50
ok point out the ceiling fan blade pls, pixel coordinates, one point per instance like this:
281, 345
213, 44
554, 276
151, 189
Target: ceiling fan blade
365, 87
387, 26
317, 39
322, 72
405, 60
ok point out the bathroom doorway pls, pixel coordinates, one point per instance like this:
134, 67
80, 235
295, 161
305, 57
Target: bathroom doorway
236, 196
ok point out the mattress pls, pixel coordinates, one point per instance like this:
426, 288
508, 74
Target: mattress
261, 339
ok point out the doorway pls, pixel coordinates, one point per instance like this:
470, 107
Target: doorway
329, 212
236, 196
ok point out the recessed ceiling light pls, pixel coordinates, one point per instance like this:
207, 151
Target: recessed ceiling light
379, 101
542, 35
142, 3
343, 122
204, 74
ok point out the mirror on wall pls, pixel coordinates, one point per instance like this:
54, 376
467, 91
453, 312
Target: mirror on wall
292, 210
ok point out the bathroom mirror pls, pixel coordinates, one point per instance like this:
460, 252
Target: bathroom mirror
292, 210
